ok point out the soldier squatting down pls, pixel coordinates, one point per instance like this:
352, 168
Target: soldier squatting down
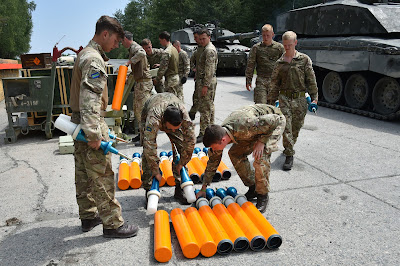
282, 74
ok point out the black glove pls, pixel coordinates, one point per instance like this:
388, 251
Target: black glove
183, 80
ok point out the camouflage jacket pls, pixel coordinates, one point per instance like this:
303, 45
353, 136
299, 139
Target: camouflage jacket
184, 64
155, 57
263, 57
88, 94
195, 58
153, 111
296, 76
248, 124
207, 65
169, 62
140, 65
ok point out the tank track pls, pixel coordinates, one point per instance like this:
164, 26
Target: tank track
389, 117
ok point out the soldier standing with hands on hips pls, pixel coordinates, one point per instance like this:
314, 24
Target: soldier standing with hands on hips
94, 177
292, 77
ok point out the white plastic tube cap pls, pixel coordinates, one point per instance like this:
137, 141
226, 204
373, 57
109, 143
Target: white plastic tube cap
189, 193
152, 204
65, 125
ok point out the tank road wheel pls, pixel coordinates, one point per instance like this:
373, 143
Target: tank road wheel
356, 91
332, 87
386, 96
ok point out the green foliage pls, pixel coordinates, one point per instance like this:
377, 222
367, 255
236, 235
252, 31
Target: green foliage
15, 27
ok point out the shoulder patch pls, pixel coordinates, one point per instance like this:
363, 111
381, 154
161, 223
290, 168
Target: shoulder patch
95, 75
149, 129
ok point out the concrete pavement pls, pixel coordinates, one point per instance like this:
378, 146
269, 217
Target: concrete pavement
340, 204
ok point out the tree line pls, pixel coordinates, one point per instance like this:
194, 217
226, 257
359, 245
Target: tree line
147, 18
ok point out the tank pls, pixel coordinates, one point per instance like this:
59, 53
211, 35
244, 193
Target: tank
355, 49
232, 56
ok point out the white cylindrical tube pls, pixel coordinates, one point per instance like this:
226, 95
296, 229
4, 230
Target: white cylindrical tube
189, 193
65, 125
152, 204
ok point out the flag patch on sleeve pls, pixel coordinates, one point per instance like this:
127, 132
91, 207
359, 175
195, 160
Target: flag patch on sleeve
95, 75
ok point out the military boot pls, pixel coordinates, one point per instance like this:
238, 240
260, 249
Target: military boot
124, 231
179, 195
89, 224
136, 139
262, 202
288, 163
199, 139
192, 116
251, 193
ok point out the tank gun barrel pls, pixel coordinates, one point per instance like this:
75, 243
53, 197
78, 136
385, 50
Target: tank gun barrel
239, 36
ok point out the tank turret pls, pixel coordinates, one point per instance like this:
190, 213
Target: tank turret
355, 49
231, 54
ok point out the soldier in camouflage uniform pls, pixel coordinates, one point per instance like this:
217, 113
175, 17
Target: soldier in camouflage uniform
207, 69
141, 75
165, 112
184, 65
94, 177
292, 77
262, 57
169, 66
154, 58
252, 129
194, 59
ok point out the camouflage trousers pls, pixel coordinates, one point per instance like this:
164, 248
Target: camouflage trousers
195, 98
206, 106
239, 152
172, 85
142, 93
295, 111
160, 86
261, 90
95, 185
176, 139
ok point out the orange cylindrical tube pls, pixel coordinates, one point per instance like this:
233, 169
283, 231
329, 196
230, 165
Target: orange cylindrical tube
123, 175
119, 88
224, 170
193, 172
236, 234
207, 245
221, 238
257, 240
198, 164
187, 240
162, 237
274, 240
135, 175
166, 168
